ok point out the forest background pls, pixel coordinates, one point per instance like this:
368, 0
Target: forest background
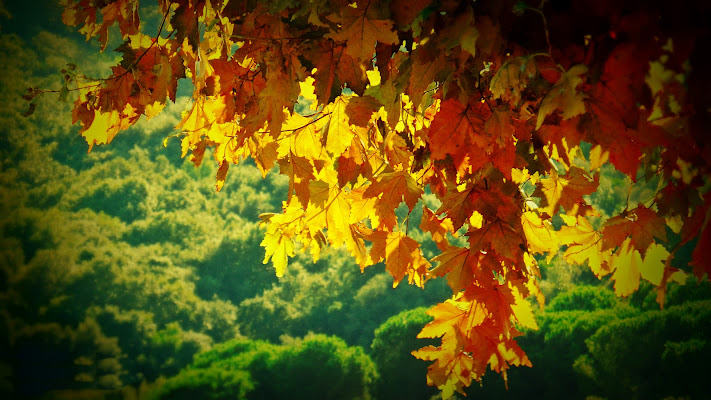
123, 274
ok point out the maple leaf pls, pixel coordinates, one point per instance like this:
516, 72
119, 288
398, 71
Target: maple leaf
497, 299
360, 33
300, 173
438, 228
397, 151
456, 131
404, 11
500, 237
353, 163
585, 243
629, 267
304, 140
337, 134
459, 206
642, 225
448, 317
540, 236
566, 191
278, 248
428, 66
221, 175
563, 96
279, 237
360, 109
522, 310
459, 264
125, 12
102, 127
185, 21
363, 207
402, 255
392, 188
511, 79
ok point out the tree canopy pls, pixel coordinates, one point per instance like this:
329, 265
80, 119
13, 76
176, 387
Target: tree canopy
495, 117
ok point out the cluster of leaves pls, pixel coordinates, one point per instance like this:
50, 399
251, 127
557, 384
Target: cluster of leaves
119, 266
593, 344
461, 99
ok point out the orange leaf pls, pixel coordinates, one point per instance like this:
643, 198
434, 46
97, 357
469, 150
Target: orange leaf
361, 33
438, 228
563, 96
642, 225
459, 264
402, 254
566, 191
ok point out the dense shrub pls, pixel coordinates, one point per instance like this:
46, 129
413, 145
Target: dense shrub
315, 367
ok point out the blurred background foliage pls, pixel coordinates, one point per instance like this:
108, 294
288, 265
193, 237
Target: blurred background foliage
123, 275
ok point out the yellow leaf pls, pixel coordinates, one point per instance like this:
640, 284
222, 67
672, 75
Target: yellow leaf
303, 141
627, 263
307, 91
585, 243
402, 254
338, 217
540, 235
519, 176
279, 248
564, 97
104, 126
598, 158
522, 310
652, 268
674, 222
337, 132
566, 191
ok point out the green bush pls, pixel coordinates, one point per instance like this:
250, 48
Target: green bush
401, 374
315, 367
654, 355
585, 298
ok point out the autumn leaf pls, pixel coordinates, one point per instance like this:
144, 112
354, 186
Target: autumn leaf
642, 225
438, 228
511, 79
566, 191
540, 236
404, 11
337, 134
522, 310
360, 109
459, 265
629, 266
104, 126
459, 206
500, 237
221, 175
402, 256
585, 243
278, 248
185, 22
394, 187
564, 97
361, 33
448, 317
457, 131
